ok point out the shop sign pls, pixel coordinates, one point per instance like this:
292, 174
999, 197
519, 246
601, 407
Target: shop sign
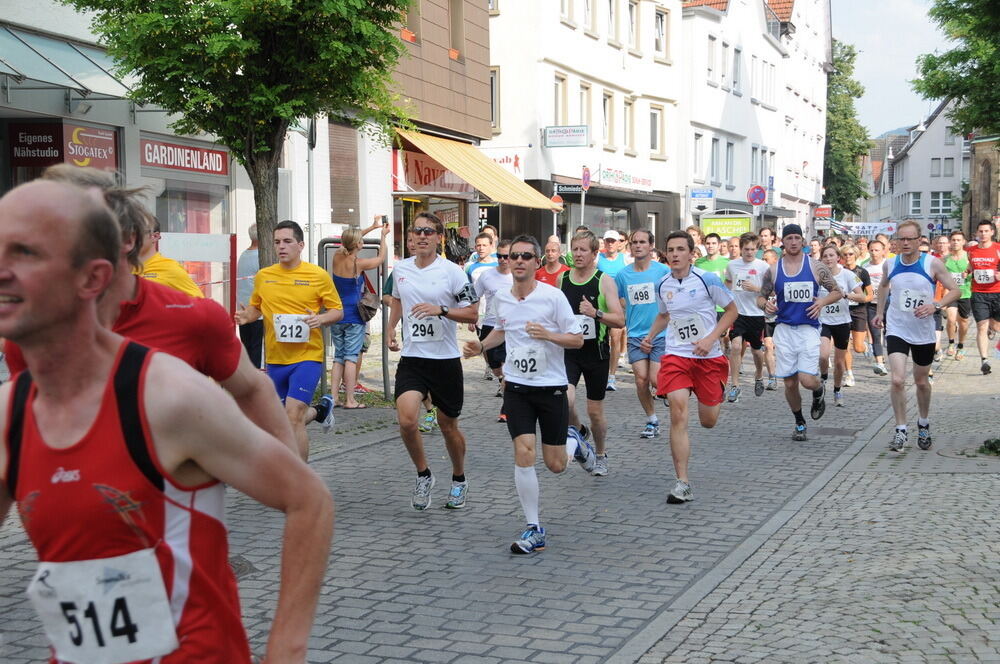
91, 147
35, 144
566, 136
176, 157
511, 160
44, 144
823, 211
616, 177
568, 188
425, 174
725, 226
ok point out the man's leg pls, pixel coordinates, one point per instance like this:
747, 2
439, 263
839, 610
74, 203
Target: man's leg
598, 425
525, 477
792, 395
708, 416
680, 443
825, 348
454, 442
574, 421
408, 414
923, 384
299, 414
735, 360
897, 389
982, 338
641, 371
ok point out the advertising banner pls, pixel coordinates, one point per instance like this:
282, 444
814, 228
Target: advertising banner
40, 144
423, 173
868, 230
726, 227
616, 177
173, 156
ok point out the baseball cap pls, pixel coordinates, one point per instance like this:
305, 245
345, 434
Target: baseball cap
791, 229
611, 235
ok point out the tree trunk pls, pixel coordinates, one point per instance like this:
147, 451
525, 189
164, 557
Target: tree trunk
263, 171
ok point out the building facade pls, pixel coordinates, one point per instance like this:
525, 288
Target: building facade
983, 198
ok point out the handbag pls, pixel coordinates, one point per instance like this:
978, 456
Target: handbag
368, 303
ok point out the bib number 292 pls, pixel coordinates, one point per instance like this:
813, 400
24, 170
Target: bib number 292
86, 624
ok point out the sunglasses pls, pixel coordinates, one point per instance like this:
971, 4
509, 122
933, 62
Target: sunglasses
521, 256
503, 257
424, 230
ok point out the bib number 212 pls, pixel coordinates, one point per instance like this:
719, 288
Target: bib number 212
119, 624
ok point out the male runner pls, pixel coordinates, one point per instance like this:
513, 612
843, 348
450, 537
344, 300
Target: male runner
289, 295
157, 267
767, 243
611, 261
687, 299
251, 334
956, 261
984, 262
484, 257
713, 261
130, 534
196, 330
770, 320
430, 295
874, 267
593, 297
795, 280
858, 308
906, 307
536, 323
554, 265
744, 276
636, 285
733, 248
487, 285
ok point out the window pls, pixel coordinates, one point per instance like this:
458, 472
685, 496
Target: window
724, 65
915, 203
710, 68
495, 97
585, 105
588, 14
949, 167
411, 23
940, 202
737, 69
935, 168
456, 9
949, 136
753, 165
714, 161
629, 125
754, 77
730, 166
770, 84
612, 20
633, 24
656, 130
608, 110
770, 168
660, 33
763, 166
559, 101
493, 6
566, 9
696, 161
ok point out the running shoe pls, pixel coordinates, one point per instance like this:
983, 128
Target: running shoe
880, 370
758, 387
991, 334
930, 377
456, 497
898, 440
838, 399
924, 436
681, 493
650, 431
532, 539
868, 350
611, 385
937, 356
950, 351
600, 466
959, 354
324, 412
819, 403
734, 394
422, 492
772, 384
584, 453
799, 433
849, 379
429, 422
502, 418
985, 367
488, 374
584, 432
499, 388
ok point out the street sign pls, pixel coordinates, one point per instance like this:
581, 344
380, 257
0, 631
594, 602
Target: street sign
756, 195
557, 199
823, 211
568, 136
702, 193
930, 226
585, 180
568, 189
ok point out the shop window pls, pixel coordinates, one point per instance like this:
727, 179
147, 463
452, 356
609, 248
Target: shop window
191, 207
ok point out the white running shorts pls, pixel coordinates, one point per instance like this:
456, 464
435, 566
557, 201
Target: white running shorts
796, 349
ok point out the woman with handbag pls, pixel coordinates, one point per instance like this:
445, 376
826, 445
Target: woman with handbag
360, 305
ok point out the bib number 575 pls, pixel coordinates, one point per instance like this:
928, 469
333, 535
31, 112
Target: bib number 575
119, 625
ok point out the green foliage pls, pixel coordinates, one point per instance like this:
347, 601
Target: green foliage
846, 139
991, 446
969, 72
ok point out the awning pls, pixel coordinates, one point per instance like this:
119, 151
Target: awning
468, 163
57, 62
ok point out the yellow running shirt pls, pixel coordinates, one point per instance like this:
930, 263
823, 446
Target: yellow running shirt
170, 273
285, 297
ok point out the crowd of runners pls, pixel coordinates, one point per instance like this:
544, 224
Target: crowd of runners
119, 443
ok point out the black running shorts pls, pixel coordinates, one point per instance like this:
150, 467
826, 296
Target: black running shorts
546, 407
750, 328
594, 370
441, 378
923, 354
841, 334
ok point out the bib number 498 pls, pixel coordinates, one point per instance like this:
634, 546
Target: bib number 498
119, 625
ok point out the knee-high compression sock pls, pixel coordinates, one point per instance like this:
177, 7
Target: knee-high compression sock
526, 481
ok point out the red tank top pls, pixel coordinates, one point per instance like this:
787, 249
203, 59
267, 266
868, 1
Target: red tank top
984, 263
107, 496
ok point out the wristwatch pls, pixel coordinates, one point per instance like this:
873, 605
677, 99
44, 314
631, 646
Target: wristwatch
444, 310
599, 314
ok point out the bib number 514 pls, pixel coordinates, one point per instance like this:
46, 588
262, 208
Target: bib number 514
119, 625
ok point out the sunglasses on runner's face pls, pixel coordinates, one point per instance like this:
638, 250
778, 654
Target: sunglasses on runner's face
521, 256
424, 230
503, 257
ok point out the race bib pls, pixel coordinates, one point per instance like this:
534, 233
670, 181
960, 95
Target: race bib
588, 325
959, 278
798, 291
427, 329
833, 309
640, 293
526, 361
984, 276
105, 611
688, 330
740, 279
909, 300
291, 328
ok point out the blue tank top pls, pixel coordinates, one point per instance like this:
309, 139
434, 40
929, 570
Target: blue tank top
795, 294
349, 290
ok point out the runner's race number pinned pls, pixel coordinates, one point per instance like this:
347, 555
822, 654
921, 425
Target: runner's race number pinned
527, 361
798, 291
426, 329
291, 328
688, 330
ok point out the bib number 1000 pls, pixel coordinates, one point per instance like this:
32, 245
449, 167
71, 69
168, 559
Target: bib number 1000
119, 624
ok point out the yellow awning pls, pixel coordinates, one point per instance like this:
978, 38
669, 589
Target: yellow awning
468, 163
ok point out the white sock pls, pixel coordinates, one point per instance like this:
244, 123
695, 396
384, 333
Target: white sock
900, 427
571, 446
653, 419
526, 481
923, 421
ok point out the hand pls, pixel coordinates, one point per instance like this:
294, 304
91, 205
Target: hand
241, 316
472, 349
814, 309
751, 287
472, 327
393, 344
770, 307
536, 331
586, 308
703, 347
877, 322
425, 310
386, 229
313, 320
924, 310
646, 345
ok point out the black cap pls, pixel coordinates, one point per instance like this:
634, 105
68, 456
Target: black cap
791, 229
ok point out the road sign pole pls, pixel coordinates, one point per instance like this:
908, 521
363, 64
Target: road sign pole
583, 206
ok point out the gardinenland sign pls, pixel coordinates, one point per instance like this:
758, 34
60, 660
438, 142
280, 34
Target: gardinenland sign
173, 156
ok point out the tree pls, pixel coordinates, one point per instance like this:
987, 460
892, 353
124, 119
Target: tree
970, 72
244, 69
846, 138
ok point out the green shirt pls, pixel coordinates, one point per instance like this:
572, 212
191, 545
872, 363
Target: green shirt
957, 267
715, 265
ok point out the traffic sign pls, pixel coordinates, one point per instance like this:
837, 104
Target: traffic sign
930, 226
756, 195
568, 189
557, 199
585, 180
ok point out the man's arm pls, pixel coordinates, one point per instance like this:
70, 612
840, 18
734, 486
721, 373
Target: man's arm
201, 424
766, 287
659, 324
247, 314
941, 273
255, 395
395, 313
825, 279
615, 316
883, 295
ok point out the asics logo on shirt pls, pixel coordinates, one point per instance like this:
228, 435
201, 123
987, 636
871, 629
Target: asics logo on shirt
65, 475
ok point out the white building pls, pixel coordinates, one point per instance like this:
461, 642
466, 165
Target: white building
755, 108
612, 70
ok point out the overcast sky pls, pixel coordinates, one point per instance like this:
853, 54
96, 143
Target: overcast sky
889, 35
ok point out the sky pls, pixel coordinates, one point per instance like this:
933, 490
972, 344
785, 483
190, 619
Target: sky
889, 35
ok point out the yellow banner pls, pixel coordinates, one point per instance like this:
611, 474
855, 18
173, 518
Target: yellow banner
726, 227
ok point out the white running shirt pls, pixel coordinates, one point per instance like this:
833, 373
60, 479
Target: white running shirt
838, 312
487, 285
441, 283
533, 361
691, 303
739, 271
911, 285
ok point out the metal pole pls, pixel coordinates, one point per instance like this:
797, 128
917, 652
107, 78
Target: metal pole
311, 141
385, 327
583, 207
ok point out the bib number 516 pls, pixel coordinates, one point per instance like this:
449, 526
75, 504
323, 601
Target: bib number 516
119, 625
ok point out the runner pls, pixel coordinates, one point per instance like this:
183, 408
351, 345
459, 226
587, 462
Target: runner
554, 264
713, 261
483, 259
906, 307
489, 283
835, 320
289, 295
859, 309
694, 363
795, 280
733, 247
611, 261
593, 297
140, 473
770, 320
767, 243
744, 277
157, 267
983, 266
874, 268
536, 323
956, 261
431, 294
251, 334
637, 291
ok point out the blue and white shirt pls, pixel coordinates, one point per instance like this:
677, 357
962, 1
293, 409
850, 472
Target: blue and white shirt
691, 303
910, 286
638, 289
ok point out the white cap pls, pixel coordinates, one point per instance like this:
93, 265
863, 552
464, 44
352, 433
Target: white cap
611, 235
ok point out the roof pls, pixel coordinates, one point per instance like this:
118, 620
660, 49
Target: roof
927, 123
721, 5
783, 9
876, 170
